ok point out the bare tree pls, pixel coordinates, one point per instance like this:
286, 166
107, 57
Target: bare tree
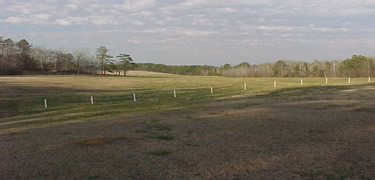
42, 55
80, 55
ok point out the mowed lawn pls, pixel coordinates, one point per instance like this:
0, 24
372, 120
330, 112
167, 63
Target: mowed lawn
69, 97
314, 131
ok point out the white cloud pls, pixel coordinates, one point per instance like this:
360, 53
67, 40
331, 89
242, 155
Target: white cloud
72, 6
192, 32
136, 5
275, 28
238, 24
14, 20
135, 41
62, 22
226, 10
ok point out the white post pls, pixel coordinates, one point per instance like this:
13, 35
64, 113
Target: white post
212, 90
92, 100
301, 82
349, 80
45, 103
245, 86
369, 79
274, 83
326, 81
135, 99
174, 94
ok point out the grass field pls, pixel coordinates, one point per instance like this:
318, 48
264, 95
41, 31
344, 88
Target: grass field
291, 131
68, 97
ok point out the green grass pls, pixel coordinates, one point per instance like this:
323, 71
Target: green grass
162, 127
68, 97
164, 137
160, 153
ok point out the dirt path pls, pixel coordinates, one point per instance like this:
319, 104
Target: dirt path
301, 137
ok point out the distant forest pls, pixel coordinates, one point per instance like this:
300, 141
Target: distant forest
22, 58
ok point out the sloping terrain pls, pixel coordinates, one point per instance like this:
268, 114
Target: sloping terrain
292, 133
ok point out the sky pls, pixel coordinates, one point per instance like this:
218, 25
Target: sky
212, 32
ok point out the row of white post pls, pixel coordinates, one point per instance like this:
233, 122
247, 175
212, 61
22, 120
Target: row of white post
302, 83
134, 97
369, 79
211, 88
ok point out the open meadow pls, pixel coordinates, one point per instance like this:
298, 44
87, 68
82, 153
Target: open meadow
310, 131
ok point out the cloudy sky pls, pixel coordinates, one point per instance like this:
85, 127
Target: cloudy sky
197, 31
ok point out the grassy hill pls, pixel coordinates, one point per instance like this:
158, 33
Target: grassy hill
314, 131
69, 97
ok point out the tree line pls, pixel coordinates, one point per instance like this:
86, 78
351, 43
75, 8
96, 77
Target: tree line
182, 70
22, 58
356, 66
